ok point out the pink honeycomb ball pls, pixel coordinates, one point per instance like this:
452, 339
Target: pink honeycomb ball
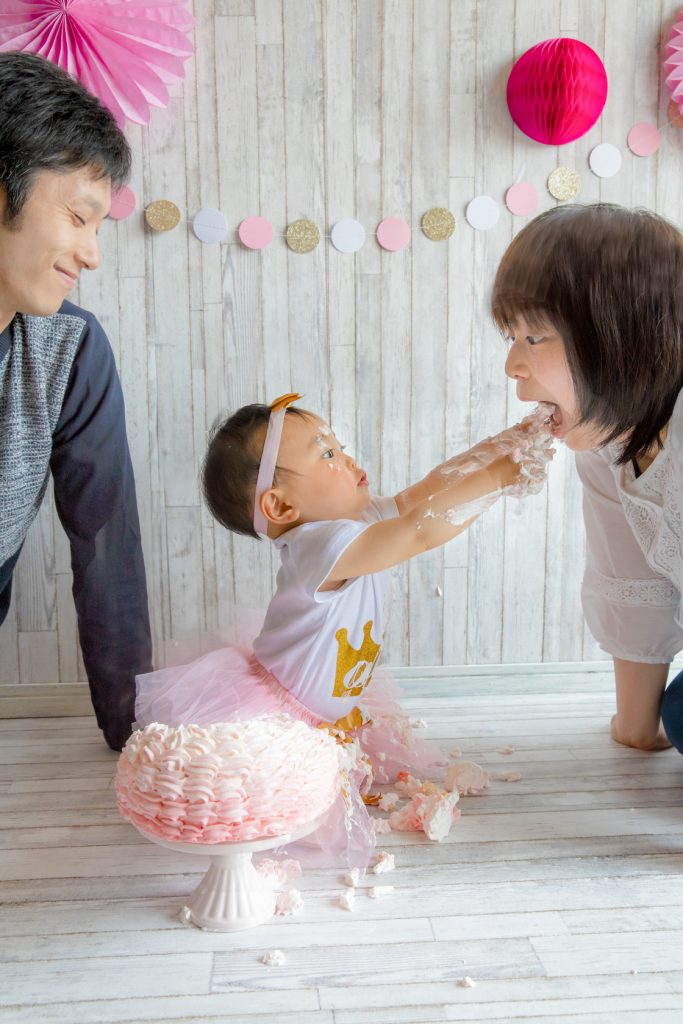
557, 90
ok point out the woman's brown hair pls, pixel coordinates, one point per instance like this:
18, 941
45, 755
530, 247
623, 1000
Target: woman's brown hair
610, 281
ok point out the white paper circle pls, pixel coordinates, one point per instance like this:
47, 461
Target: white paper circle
210, 225
482, 213
347, 235
605, 160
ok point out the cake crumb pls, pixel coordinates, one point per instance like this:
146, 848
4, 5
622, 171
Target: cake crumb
376, 891
274, 958
384, 862
508, 776
419, 723
347, 900
388, 801
506, 750
381, 826
456, 752
467, 982
289, 903
352, 878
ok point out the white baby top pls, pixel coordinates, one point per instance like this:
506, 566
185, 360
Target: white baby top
634, 559
323, 645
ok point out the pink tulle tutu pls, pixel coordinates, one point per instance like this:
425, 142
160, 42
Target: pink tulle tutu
230, 685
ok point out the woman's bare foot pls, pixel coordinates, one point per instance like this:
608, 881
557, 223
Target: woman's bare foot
640, 742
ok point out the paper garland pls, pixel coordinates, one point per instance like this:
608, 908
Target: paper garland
482, 212
564, 183
605, 160
643, 139
210, 226
123, 203
438, 224
393, 233
521, 199
347, 235
302, 235
162, 215
255, 232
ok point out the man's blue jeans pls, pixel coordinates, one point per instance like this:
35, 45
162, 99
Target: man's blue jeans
672, 712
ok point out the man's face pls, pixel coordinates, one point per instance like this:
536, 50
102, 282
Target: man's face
54, 238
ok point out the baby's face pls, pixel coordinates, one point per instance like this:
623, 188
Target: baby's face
321, 481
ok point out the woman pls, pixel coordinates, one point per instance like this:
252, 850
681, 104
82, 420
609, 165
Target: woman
592, 301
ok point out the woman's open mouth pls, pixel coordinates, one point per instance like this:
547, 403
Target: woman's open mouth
555, 420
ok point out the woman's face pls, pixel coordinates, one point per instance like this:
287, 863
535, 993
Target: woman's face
537, 363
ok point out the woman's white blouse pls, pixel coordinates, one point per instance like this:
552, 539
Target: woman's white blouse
634, 550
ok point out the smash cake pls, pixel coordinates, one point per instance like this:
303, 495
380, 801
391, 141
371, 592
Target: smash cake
227, 781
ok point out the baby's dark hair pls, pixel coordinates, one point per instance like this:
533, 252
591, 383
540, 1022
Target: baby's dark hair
231, 466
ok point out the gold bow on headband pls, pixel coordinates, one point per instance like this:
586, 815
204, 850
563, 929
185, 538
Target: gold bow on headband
284, 400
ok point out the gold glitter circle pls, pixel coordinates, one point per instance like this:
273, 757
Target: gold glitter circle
162, 215
675, 115
564, 183
302, 235
438, 224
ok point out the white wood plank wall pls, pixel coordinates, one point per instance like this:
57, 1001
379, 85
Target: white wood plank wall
326, 109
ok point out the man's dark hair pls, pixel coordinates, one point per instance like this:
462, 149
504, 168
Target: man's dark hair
48, 121
231, 466
610, 282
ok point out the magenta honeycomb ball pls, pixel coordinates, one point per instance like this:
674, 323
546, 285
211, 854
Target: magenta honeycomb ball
557, 90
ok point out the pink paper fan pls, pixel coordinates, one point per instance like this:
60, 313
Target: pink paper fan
557, 90
126, 53
673, 64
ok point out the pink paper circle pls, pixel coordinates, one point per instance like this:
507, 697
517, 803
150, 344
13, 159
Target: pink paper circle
122, 203
393, 234
643, 139
521, 199
255, 232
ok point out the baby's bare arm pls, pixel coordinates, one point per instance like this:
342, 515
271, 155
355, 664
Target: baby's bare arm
432, 522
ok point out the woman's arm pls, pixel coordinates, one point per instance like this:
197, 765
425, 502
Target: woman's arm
426, 525
639, 694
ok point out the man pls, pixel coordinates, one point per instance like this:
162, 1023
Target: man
61, 406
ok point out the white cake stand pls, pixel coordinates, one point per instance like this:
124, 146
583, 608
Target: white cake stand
232, 895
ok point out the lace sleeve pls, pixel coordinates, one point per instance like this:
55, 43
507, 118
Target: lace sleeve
631, 611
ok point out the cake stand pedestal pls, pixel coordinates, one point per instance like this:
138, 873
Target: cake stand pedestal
231, 895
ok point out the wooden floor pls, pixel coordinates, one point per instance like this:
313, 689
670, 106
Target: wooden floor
560, 895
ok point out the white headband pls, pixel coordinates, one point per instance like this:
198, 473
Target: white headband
271, 447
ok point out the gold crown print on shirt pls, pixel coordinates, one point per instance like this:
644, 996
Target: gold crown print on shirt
354, 667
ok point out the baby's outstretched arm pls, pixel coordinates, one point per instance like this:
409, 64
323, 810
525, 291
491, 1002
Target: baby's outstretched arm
529, 441
428, 524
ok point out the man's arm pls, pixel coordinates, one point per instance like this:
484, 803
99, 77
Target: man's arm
95, 497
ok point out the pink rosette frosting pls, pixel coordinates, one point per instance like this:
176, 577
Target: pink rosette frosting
227, 781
